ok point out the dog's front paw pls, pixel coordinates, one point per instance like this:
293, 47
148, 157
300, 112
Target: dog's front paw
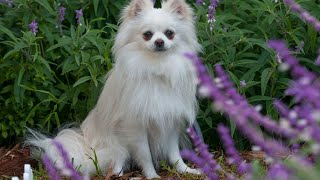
153, 176
194, 171
190, 170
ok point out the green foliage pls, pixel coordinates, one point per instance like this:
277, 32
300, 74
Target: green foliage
238, 42
95, 162
55, 76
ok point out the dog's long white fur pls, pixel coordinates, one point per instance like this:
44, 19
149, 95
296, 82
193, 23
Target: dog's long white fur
148, 98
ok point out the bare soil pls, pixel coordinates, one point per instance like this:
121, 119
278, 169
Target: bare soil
12, 163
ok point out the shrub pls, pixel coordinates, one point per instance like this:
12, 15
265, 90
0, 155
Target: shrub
52, 76
298, 126
238, 43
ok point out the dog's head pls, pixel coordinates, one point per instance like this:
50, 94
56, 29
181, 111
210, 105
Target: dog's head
155, 30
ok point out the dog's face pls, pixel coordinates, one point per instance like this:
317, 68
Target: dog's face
157, 31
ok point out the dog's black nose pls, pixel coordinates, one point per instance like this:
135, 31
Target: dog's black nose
159, 43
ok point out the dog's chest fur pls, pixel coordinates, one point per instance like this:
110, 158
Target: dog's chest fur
160, 91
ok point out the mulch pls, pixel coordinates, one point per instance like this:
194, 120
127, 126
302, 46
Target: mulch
12, 163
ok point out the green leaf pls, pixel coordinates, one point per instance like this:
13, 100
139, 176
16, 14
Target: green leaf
209, 121
46, 5
244, 63
234, 78
251, 84
69, 65
95, 6
265, 76
232, 127
82, 80
285, 81
4, 134
17, 89
8, 32
33, 110
56, 117
18, 46
85, 56
259, 98
250, 74
44, 62
64, 41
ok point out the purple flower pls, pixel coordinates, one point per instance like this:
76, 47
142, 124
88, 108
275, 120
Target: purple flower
232, 153
67, 163
299, 47
278, 171
7, 2
52, 171
318, 58
200, 2
61, 13
297, 71
79, 14
305, 15
240, 104
33, 26
289, 118
205, 159
227, 100
303, 78
243, 83
212, 12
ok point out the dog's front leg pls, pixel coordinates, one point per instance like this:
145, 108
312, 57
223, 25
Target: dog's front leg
175, 157
141, 151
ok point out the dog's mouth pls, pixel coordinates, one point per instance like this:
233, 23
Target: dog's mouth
160, 49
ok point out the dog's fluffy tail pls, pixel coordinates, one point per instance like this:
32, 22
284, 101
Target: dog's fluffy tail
72, 141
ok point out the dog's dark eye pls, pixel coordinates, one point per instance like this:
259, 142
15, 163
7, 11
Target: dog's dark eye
147, 35
169, 34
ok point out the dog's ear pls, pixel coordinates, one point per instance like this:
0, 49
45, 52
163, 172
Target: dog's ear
179, 7
135, 7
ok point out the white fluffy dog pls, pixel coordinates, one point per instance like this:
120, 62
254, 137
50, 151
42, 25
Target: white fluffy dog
148, 98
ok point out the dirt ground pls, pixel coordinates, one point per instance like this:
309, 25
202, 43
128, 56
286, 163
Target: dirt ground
12, 163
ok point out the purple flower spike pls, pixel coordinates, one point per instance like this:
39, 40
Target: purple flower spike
297, 71
200, 2
303, 78
232, 153
278, 171
33, 26
67, 163
62, 11
239, 110
212, 12
304, 15
318, 58
9, 3
199, 162
79, 14
52, 171
205, 159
